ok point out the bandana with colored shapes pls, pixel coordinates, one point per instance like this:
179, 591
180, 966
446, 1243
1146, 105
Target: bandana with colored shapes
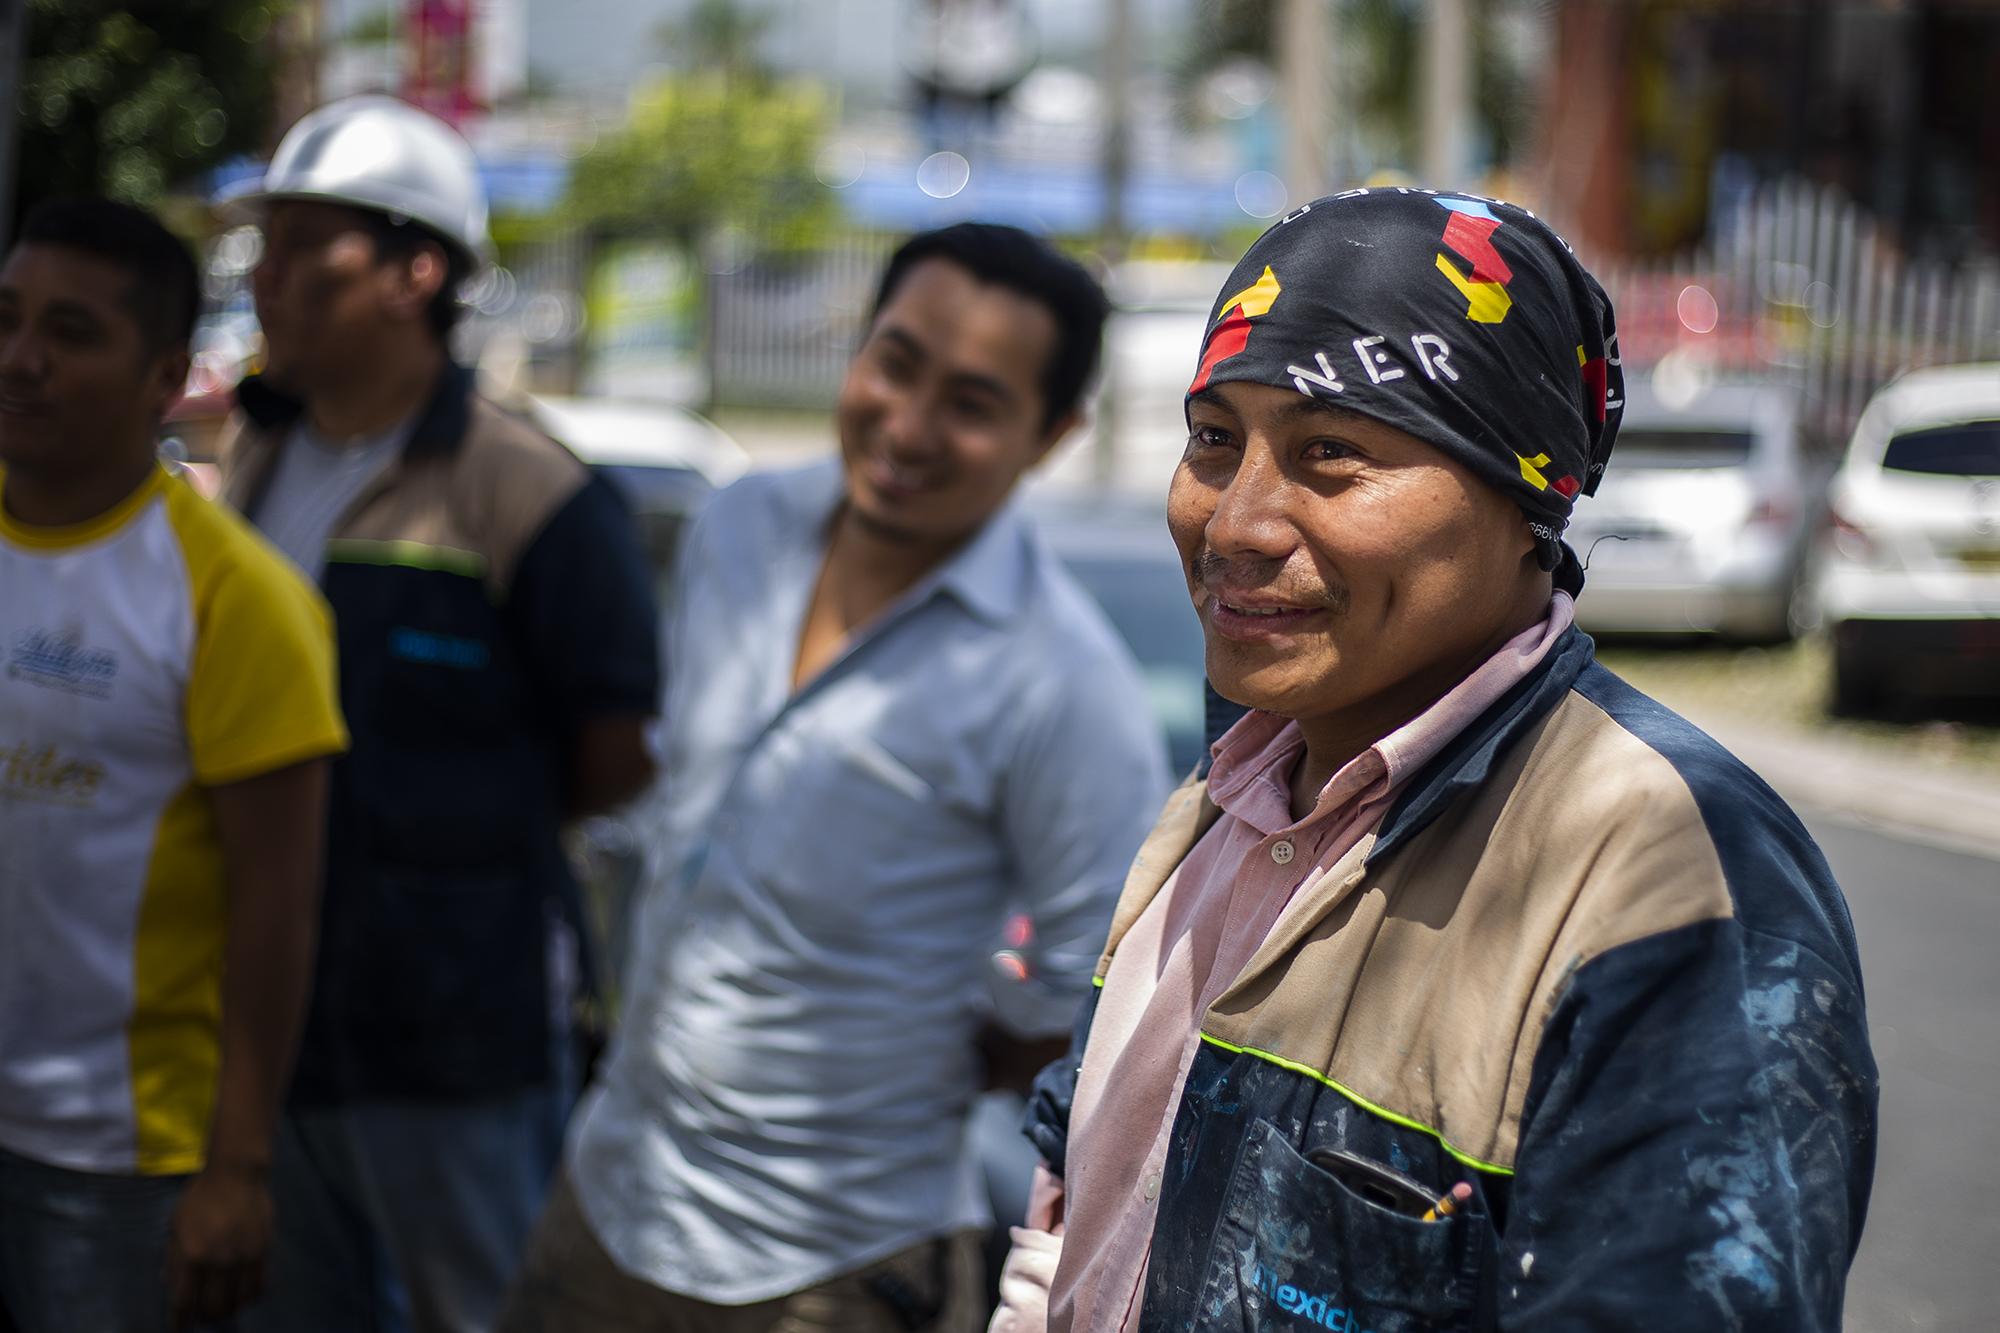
1466, 322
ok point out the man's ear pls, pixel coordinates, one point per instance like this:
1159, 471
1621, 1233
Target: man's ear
1053, 436
169, 377
418, 281
1526, 545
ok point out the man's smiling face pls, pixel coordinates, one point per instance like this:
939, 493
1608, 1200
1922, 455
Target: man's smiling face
1340, 565
79, 379
942, 409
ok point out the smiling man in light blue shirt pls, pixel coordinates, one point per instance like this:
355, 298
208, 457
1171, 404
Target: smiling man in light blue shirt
891, 720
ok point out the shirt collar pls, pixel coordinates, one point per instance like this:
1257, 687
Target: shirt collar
1418, 741
439, 427
1254, 759
988, 575
91, 529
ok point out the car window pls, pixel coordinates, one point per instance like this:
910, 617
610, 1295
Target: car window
1660, 446
662, 500
1968, 450
1146, 601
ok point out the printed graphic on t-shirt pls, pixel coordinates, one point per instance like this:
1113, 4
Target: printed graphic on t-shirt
155, 653
58, 660
48, 775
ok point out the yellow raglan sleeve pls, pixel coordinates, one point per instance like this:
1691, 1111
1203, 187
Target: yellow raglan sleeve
261, 690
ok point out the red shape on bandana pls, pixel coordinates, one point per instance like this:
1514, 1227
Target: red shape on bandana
1569, 486
1472, 237
1596, 379
1231, 336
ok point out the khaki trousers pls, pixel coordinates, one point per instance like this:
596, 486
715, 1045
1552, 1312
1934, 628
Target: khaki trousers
568, 1284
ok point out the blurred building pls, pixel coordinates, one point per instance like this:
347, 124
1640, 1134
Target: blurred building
1662, 116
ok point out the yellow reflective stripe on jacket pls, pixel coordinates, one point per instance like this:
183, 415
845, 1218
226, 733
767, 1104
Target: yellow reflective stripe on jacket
410, 554
1467, 1158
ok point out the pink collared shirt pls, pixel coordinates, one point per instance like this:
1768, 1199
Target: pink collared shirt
1185, 949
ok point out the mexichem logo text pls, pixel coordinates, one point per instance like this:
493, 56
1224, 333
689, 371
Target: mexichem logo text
48, 776
60, 662
445, 650
1298, 1301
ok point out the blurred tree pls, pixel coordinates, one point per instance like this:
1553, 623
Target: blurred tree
130, 99
1378, 44
717, 35
1223, 29
376, 27
703, 153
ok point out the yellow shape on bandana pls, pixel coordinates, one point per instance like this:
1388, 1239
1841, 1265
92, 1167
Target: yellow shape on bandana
1529, 470
1486, 302
1256, 299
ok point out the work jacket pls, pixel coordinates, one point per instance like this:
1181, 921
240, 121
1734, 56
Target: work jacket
1588, 963
489, 595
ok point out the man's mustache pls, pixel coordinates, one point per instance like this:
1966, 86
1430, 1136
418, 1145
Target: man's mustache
1212, 571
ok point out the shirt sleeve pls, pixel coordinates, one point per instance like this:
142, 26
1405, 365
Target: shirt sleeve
1087, 781
261, 692
582, 602
1698, 1142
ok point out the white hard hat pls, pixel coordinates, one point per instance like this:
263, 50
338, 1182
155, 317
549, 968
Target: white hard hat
378, 153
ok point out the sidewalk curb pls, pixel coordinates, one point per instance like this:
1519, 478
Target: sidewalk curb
1952, 806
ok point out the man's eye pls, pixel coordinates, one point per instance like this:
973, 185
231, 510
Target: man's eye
1208, 437
1330, 450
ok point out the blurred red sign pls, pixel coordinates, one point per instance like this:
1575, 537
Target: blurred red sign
438, 73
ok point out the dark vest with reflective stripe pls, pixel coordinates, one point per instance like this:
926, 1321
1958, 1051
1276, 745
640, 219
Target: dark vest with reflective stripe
444, 866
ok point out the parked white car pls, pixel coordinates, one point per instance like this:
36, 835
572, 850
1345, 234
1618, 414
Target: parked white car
1136, 429
664, 460
1909, 581
1705, 518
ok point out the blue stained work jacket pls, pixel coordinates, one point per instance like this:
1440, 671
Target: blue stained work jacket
1590, 964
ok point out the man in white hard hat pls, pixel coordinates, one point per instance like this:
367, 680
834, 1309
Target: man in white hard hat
497, 663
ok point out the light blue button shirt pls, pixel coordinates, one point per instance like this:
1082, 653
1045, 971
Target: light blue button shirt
786, 1096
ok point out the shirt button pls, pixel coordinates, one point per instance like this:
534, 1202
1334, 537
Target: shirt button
1152, 1187
1281, 851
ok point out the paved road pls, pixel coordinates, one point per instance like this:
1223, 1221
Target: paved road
1929, 925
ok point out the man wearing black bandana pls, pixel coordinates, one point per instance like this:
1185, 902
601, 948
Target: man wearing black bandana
1467, 987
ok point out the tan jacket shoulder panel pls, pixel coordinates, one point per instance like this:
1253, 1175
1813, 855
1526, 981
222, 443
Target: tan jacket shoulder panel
1422, 986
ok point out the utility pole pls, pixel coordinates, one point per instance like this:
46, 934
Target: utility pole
1303, 32
1115, 164
1446, 72
13, 59
295, 39
1115, 173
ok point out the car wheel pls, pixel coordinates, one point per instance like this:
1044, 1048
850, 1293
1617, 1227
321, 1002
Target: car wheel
1858, 689
1801, 615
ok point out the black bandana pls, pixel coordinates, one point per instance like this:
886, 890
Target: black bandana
1463, 321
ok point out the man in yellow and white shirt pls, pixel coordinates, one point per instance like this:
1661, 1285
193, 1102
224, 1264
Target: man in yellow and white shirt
167, 708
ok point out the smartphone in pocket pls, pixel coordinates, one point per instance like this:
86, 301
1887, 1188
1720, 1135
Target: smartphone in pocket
1381, 1185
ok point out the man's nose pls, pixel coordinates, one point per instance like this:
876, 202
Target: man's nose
21, 355
1252, 515
910, 422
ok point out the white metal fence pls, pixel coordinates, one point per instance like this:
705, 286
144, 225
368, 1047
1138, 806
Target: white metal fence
1804, 287
780, 329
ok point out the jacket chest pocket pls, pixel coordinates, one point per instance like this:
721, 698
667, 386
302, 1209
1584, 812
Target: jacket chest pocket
1296, 1248
442, 663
